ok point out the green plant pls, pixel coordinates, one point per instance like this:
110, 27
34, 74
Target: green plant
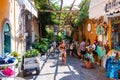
41, 44
15, 54
4, 67
19, 60
31, 53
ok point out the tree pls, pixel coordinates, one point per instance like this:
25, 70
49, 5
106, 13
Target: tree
50, 13
45, 18
82, 17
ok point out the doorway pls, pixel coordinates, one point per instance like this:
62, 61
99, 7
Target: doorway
116, 36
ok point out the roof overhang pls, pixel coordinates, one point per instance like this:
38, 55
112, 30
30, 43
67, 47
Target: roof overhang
29, 6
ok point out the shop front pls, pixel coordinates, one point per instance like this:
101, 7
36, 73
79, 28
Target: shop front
115, 38
112, 11
96, 20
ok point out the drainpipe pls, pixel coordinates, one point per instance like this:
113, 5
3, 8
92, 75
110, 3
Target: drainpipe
14, 25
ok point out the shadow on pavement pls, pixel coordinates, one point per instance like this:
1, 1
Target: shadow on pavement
97, 73
70, 77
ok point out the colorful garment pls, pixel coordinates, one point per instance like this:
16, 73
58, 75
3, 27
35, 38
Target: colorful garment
100, 51
90, 56
100, 30
112, 68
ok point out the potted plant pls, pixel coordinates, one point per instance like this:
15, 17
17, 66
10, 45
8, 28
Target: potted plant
88, 59
31, 53
41, 45
17, 56
88, 63
31, 61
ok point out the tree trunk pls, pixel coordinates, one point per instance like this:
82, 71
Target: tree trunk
80, 34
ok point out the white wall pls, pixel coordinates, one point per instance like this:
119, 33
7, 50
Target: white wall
14, 15
97, 8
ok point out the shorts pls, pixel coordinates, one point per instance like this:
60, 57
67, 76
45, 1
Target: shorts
94, 53
71, 49
83, 52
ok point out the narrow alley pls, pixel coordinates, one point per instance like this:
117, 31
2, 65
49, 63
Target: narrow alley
52, 69
86, 34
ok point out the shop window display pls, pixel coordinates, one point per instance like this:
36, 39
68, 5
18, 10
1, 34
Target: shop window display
116, 36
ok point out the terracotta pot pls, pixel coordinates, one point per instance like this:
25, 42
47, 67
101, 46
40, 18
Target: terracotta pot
88, 64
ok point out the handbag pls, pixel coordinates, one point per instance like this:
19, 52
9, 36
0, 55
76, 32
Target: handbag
11, 60
8, 72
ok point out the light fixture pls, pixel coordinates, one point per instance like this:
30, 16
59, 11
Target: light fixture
29, 16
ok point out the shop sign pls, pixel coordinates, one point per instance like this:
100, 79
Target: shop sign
112, 6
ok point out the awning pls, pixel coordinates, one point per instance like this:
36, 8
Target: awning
97, 8
29, 6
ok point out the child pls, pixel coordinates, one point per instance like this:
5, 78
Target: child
89, 54
89, 58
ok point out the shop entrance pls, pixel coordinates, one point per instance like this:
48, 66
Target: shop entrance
116, 36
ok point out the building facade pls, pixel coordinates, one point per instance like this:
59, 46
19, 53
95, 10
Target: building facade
18, 25
97, 18
112, 11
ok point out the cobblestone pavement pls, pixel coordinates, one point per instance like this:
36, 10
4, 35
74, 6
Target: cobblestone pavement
52, 69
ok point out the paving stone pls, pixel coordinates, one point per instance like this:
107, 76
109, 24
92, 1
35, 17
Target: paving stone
52, 69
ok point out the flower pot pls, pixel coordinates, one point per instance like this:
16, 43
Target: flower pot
88, 64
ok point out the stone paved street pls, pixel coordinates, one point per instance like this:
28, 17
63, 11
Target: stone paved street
52, 69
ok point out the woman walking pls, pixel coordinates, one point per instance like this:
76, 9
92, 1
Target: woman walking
63, 51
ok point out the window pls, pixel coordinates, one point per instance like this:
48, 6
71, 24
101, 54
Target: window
6, 39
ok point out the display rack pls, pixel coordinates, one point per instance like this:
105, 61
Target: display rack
4, 77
